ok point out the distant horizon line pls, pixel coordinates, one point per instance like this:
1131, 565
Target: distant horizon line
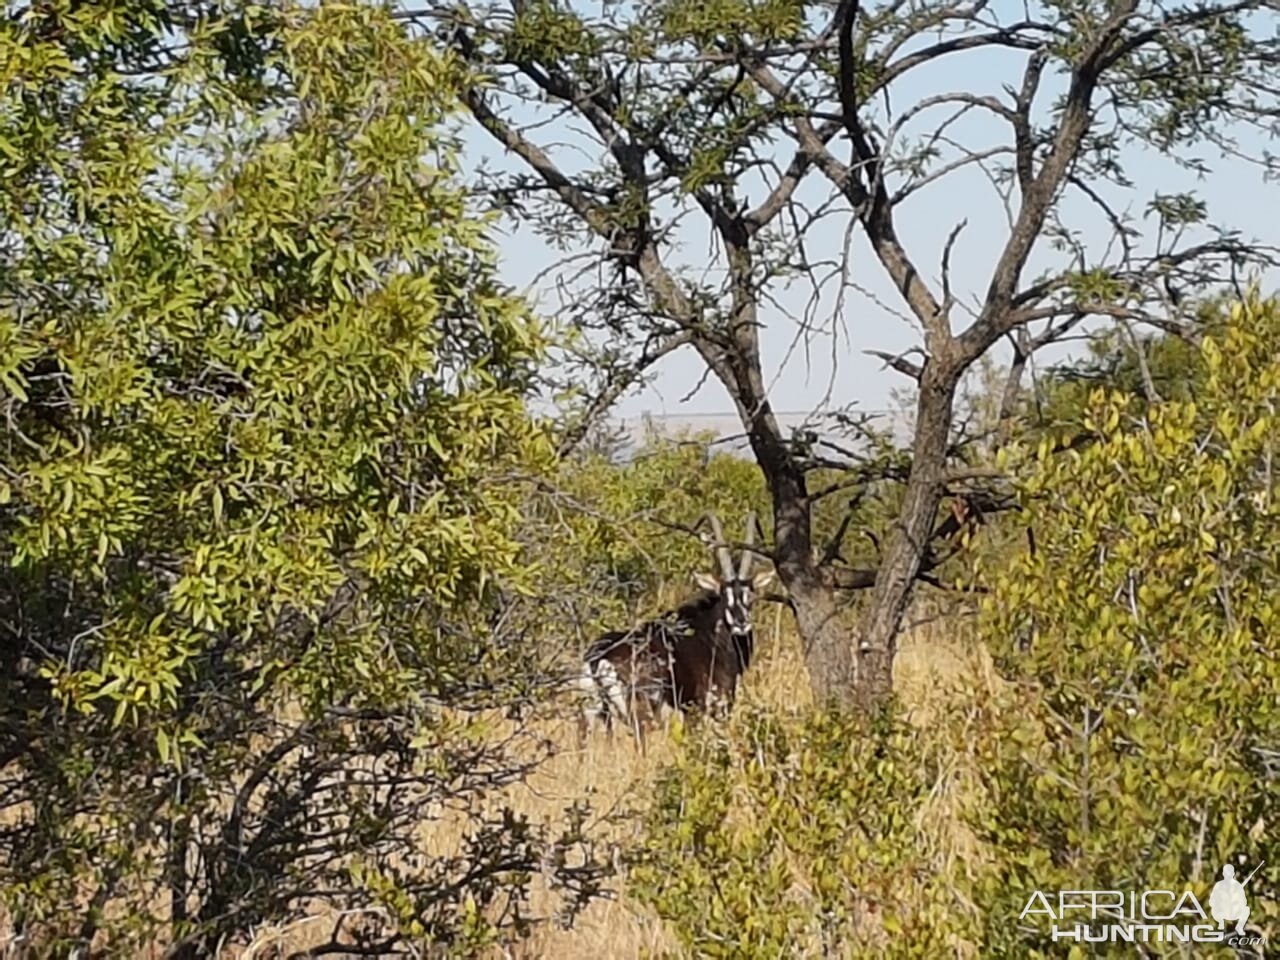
734, 414
728, 426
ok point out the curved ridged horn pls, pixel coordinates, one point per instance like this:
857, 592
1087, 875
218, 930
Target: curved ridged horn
723, 555
744, 569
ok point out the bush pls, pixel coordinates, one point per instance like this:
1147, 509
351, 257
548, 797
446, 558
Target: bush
799, 836
612, 542
1138, 745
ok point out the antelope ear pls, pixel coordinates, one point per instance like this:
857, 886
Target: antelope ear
707, 581
762, 580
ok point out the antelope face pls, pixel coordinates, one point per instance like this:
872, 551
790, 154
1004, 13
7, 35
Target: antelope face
736, 597
734, 586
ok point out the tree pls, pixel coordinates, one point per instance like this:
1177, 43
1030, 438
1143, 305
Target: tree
688, 107
1135, 745
1130, 743
264, 415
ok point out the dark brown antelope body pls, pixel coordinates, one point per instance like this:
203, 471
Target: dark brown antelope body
689, 658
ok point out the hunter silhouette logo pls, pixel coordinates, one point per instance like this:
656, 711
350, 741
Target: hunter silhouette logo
1227, 902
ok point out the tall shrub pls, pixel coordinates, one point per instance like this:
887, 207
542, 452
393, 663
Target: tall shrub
1141, 749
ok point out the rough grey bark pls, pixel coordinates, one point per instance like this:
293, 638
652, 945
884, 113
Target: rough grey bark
908, 540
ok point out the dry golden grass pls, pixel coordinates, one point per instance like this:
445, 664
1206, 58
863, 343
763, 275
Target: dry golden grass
938, 669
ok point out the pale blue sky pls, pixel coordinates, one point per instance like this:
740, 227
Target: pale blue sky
1236, 194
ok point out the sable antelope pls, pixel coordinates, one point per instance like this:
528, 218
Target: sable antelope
690, 657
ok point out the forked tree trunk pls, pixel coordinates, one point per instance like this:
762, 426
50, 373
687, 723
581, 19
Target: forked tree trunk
844, 668
906, 543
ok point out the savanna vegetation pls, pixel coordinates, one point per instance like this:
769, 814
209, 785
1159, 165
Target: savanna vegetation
306, 517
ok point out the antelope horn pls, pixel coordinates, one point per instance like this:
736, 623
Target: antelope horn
744, 570
723, 555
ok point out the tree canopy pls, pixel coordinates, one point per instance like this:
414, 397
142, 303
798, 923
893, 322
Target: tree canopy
264, 429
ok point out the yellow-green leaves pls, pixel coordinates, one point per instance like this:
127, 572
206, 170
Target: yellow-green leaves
704, 23
1142, 635
262, 475
260, 348
798, 837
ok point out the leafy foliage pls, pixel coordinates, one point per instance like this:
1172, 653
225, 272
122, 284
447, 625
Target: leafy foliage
799, 836
263, 414
1138, 746
1114, 364
614, 541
